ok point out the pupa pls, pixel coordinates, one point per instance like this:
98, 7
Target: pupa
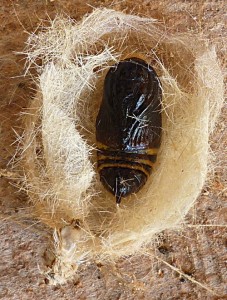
128, 126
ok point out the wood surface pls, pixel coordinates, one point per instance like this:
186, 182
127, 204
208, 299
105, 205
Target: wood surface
185, 264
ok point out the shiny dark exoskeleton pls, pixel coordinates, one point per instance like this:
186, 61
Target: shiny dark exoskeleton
128, 126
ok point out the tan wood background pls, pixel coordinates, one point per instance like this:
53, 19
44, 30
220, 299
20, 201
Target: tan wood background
198, 250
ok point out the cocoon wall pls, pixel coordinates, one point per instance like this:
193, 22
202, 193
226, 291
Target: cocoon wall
58, 155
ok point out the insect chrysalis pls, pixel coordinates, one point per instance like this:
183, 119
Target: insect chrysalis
128, 126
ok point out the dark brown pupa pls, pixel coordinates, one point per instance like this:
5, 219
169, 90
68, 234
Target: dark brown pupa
128, 126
